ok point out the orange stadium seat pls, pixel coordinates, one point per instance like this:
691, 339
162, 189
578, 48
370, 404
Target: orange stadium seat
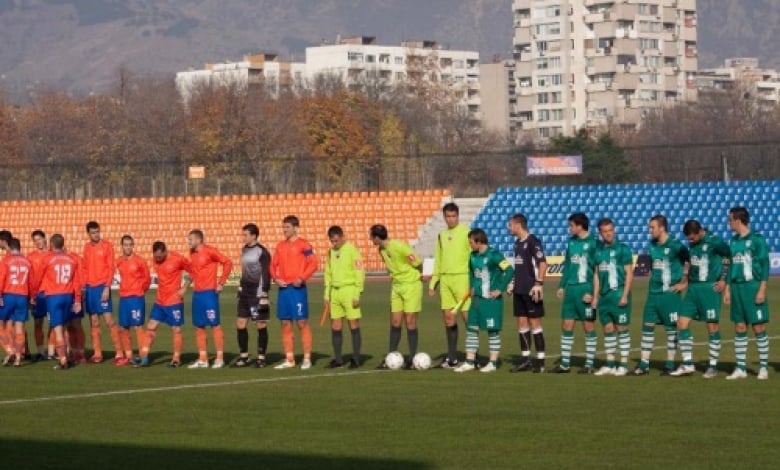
221, 217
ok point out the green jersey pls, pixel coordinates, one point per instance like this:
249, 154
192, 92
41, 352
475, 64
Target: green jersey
707, 259
749, 258
344, 268
611, 261
402, 262
667, 260
579, 263
489, 271
452, 253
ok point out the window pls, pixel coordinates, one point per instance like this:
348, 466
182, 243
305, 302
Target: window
555, 62
542, 98
542, 80
648, 78
650, 61
541, 46
370, 59
399, 75
541, 64
544, 132
650, 27
355, 56
645, 9
398, 60
556, 114
648, 95
549, 28
556, 79
556, 97
544, 115
553, 11
646, 43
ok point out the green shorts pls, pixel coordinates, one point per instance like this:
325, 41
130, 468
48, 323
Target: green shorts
743, 304
341, 303
662, 308
701, 303
452, 288
574, 308
406, 297
486, 314
610, 311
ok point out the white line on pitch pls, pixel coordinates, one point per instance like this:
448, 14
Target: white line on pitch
134, 391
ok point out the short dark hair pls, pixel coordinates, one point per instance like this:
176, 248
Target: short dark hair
92, 225
14, 244
605, 221
520, 219
740, 213
335, 231
198, 233
378, 231
691, 226
450, 207
57, 241
292, 220
126, 237
661, 220
5, 236
252, 229
37, 233
479, 236
578, 218
158, 246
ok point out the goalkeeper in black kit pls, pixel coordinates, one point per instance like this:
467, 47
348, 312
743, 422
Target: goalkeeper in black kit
253, 297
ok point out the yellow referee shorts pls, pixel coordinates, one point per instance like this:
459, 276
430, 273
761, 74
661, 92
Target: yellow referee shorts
406, 297
341, 303
452, 288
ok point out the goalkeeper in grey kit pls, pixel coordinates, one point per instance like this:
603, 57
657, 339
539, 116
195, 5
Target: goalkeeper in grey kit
253, 301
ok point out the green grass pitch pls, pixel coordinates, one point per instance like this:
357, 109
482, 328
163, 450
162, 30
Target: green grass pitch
105, 417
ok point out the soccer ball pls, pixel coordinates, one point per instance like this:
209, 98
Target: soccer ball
394, 360
421, 361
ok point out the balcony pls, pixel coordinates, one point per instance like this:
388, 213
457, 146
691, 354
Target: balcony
594, 17
626, 81
522, 36
670, 49
687, 5
605, 64
524, 69
625, 47
595, 87
669, 15
688, 34
624, 11
604, 30
525, 103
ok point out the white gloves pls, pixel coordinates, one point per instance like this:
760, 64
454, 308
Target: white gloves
536, 293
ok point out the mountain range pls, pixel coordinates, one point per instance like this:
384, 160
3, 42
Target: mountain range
81, 44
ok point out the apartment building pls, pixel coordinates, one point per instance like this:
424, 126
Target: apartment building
263, 69
743, 72
596, 63
360, 61
498, 89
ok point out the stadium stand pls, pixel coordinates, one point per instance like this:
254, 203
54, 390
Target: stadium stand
221, 218
630, 206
